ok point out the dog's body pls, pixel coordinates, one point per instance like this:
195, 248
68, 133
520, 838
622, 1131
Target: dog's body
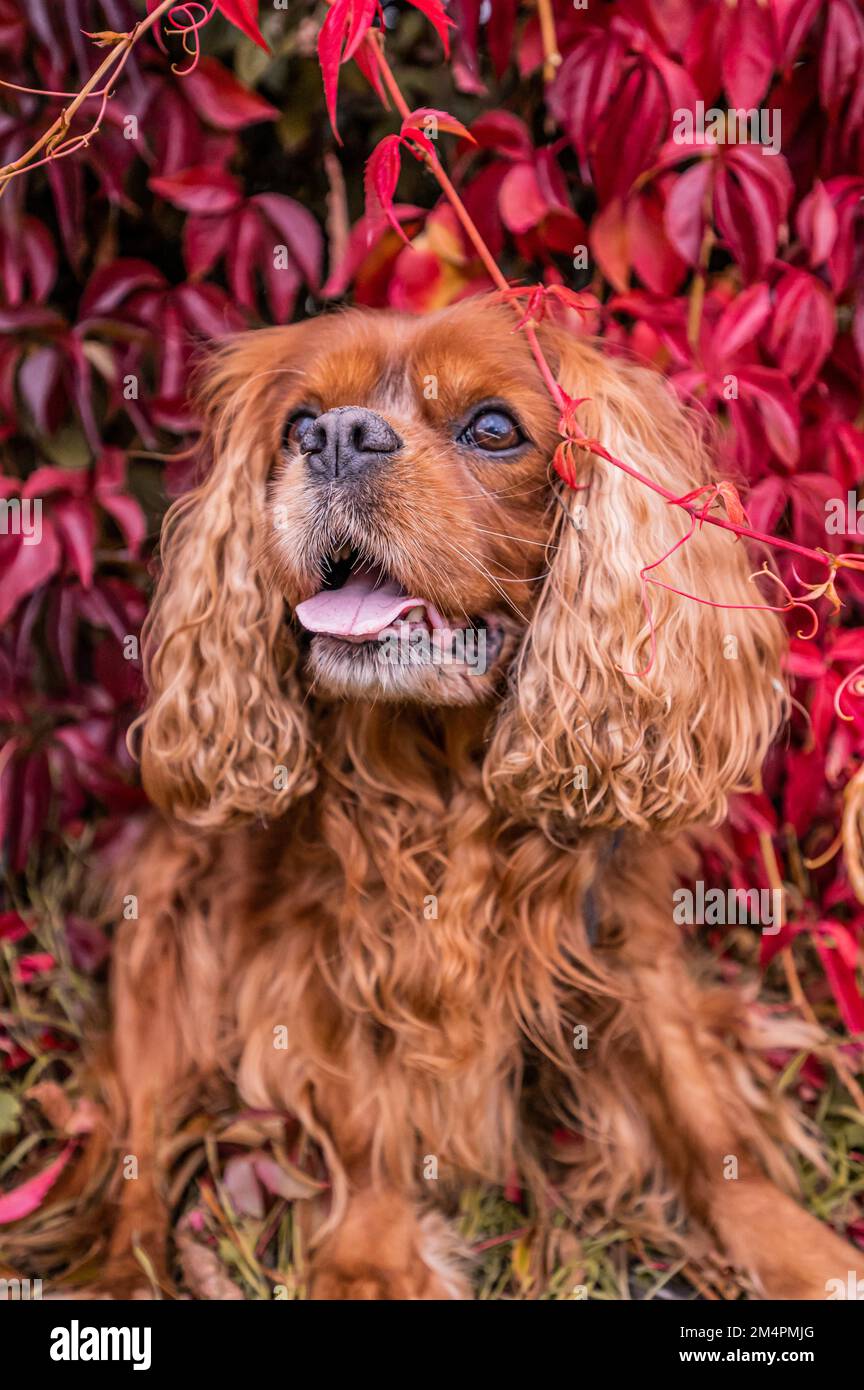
429, 910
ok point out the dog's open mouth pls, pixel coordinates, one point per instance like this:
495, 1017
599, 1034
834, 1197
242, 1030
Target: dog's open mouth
360, 603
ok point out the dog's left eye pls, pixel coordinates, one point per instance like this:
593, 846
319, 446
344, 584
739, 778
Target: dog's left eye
492, 430
297, 426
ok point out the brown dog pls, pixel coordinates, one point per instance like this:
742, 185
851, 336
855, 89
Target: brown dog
420, 773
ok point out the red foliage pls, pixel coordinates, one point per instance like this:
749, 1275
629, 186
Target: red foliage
737, 271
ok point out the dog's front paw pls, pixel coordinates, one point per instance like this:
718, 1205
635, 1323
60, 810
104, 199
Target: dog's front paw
384, 1250
364, 1282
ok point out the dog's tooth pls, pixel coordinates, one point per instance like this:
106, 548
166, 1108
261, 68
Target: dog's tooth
415, 615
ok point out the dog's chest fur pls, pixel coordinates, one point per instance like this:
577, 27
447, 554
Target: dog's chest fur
391, 959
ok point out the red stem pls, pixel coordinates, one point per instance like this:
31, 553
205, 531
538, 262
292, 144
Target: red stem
552, 385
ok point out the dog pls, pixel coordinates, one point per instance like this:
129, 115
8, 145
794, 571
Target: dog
421, 898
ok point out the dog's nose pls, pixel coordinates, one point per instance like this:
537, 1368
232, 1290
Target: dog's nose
346, 441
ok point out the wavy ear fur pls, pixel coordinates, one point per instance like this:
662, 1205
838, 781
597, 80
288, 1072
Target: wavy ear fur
223, 716
582, 737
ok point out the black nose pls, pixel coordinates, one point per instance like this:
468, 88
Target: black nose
346, 441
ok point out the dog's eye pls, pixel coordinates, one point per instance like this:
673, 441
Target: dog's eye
297, 425
492, 430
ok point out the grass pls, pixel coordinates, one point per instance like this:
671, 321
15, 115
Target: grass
240, 1181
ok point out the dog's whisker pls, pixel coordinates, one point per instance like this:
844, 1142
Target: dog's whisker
481, 569
525, 540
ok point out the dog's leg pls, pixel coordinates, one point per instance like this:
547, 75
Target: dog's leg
147, 1090
699, 1098
386, 1248
380, 1241
377, 1239
164, 1046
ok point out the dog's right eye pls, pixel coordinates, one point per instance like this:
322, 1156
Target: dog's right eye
297, 426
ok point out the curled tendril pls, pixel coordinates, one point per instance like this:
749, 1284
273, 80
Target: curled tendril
183, 18
646, 578
827, 589
854, 682
793, 601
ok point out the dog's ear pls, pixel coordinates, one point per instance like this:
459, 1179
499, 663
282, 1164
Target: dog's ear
606, 723
223, 735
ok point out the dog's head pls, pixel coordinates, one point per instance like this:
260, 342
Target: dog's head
408, 512
381, 522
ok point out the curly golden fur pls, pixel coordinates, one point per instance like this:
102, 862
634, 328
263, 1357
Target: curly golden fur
402, 867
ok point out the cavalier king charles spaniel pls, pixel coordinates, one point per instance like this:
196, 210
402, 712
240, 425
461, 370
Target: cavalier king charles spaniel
427, 779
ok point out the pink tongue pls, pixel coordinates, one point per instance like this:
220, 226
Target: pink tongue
361, 608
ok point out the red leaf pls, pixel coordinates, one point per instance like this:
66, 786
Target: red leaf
817, 223
38, 380
564, 463
741, 321
300, 231
805, 782
841, 53
345, 27
27, 252
128, 515
415, 120
802, 330
243, 1187
31, 566
208, 310
41, 257
858, 328
630, 132
685, 211
282, 283
499, 34
205, 240
370, 70
747, 52
610, 244
838, 961
732, 501
380, 180
28, 967
77, 527
360, 250
767, 393
847, 195
9, 751
243, 14
751, 199
111, 284
32, 800
221, 100
66, 179
201, 190
30, 1195
792, 19
437, 16
654, 259
466, 59
243, 253
12, 927
503, 132
521, 202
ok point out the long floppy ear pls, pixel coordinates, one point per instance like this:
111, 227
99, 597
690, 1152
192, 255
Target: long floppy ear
223, 734
606, 725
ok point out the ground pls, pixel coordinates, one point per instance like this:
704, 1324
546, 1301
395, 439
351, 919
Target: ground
240, 1181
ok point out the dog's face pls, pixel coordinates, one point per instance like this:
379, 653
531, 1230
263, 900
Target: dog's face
381, 522
409, 502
